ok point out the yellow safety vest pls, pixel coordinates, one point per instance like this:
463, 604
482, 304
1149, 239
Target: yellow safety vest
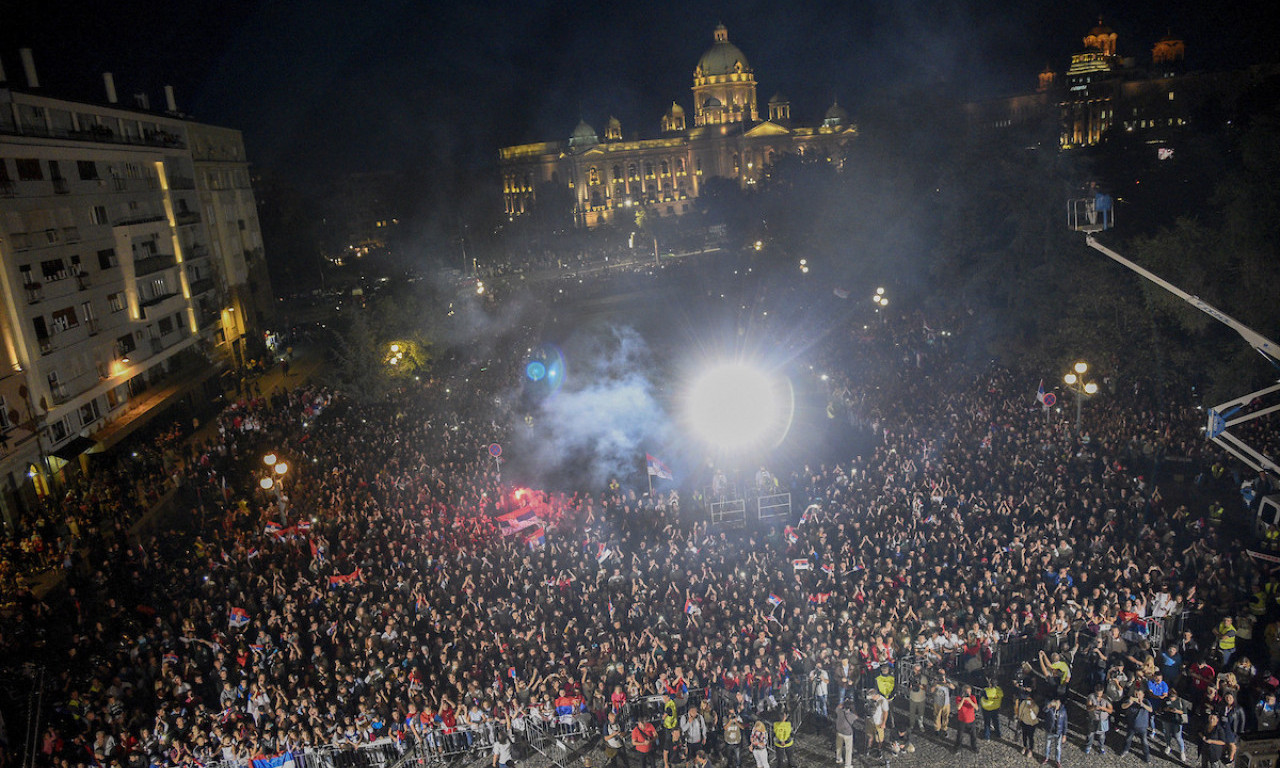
885, 684
782, 733
992, 698
1226, 642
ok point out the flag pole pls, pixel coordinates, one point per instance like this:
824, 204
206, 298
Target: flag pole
650, 474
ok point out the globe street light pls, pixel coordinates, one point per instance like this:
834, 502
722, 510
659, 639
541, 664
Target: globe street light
1074, 380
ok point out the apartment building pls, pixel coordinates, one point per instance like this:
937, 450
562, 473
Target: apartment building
132, 275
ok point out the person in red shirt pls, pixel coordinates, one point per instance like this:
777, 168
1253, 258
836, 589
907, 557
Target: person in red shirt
643, 737
966, 718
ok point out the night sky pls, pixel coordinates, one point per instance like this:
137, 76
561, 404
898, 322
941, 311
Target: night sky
322, 87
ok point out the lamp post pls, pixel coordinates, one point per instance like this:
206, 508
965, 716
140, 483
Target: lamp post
274, 480
1076, 383
882, 302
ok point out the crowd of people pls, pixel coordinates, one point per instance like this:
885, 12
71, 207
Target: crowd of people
372, 594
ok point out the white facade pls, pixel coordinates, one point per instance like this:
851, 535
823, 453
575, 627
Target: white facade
117, 268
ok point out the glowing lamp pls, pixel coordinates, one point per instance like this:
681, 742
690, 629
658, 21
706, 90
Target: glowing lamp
735, 406
1081, 367
266, 483
1090, 388
1070, 378
281, 468
269, 459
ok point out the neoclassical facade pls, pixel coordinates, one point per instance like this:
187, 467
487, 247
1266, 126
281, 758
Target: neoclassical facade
727, 138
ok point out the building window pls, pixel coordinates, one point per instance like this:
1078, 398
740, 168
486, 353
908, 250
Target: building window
166, 326
116, 301
89, 413
98, 215
107, 258
6, 421
617, 173
28, 169
59, 430
65, 319
53, 270
125, 345
88, 170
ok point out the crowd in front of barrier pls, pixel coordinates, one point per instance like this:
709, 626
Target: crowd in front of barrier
374, 597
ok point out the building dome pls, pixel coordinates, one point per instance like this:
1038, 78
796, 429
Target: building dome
676, 109
723, 57
583, 135
778, 98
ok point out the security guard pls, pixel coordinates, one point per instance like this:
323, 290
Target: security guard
783, 741
1226, 634
992, 698
1215, 514
885, 681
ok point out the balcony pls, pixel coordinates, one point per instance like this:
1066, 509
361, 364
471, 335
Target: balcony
155, 301
34, 291
93, 326
46, 344
142, 218
181, 182
197, 251
203, 285
82, 281
60, 393
185, 218
154, 264
157, 346
71, 234
60, 187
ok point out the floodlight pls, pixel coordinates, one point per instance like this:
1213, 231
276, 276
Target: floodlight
735, 406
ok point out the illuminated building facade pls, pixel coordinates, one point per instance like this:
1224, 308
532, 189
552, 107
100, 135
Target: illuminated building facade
726, 138
1103, 93
131, 273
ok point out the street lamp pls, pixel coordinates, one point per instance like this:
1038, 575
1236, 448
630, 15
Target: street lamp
1076, 383
881, 301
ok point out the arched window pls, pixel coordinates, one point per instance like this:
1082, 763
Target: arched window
631, 171
648, 170
697, 166
737, 163
617, 173
593, 176
679, 165
665, 168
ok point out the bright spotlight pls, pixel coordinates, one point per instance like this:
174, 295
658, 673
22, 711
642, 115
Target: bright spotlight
735, 406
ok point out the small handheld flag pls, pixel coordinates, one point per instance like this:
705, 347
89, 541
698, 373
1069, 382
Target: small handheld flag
237, 618
774, 600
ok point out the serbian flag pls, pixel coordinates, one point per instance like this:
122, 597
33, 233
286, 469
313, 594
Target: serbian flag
774, 600
237, 618
690, 609
303, 525
316, 552
273, 528
1040, 393
802, 564
819, 598
339, 581
611, 609
170, 658
283, 760
829, 569
657, 468
792, 538
536, 539
602, 553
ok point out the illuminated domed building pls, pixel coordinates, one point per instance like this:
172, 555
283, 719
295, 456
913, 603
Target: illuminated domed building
664, 174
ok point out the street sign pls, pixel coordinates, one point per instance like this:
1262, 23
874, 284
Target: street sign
495, 450
1050, 399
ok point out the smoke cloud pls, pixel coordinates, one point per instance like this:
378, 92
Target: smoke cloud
599, 424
